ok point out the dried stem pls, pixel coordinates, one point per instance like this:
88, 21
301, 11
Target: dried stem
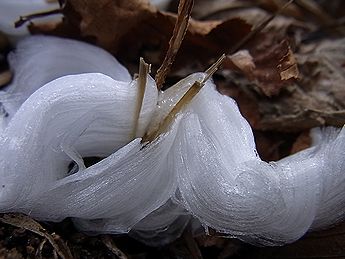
259, 28
23, 221
180, 29
313, 8
321, 15
144, 70
109, 243
26, 18
183, 102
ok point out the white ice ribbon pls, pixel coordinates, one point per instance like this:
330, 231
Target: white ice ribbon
205, 165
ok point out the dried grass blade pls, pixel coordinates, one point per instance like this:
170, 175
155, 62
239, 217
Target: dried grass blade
180, 29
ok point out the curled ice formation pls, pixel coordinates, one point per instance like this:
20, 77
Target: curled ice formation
83, 115
204, 166
38, 60
226, 186
223, 182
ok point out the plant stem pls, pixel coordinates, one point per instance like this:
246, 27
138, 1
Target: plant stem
183, 102
144, 70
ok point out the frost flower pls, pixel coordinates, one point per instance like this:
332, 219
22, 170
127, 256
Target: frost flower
203, 165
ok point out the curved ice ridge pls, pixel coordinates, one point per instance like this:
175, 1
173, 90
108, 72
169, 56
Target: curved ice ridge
205, 166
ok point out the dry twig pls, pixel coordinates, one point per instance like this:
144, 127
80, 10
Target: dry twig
23, 221
258, 28
109, 243
180, 29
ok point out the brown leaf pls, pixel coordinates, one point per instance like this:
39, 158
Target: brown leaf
241, 60
131, 29
106, 21
22, 221
302, 142
274, 67
287, 66
271, 67
317, 99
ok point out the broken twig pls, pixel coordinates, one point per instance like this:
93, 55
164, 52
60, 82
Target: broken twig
180, 29
258, 28
23, 221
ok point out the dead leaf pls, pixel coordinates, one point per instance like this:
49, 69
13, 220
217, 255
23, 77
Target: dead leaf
130, 29
241, 60
302, 142
203, 43
105, 22
316, 99
271, 67
275, 66
22, 221
287, 66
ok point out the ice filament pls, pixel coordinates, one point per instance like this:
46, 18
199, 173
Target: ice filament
200, 163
